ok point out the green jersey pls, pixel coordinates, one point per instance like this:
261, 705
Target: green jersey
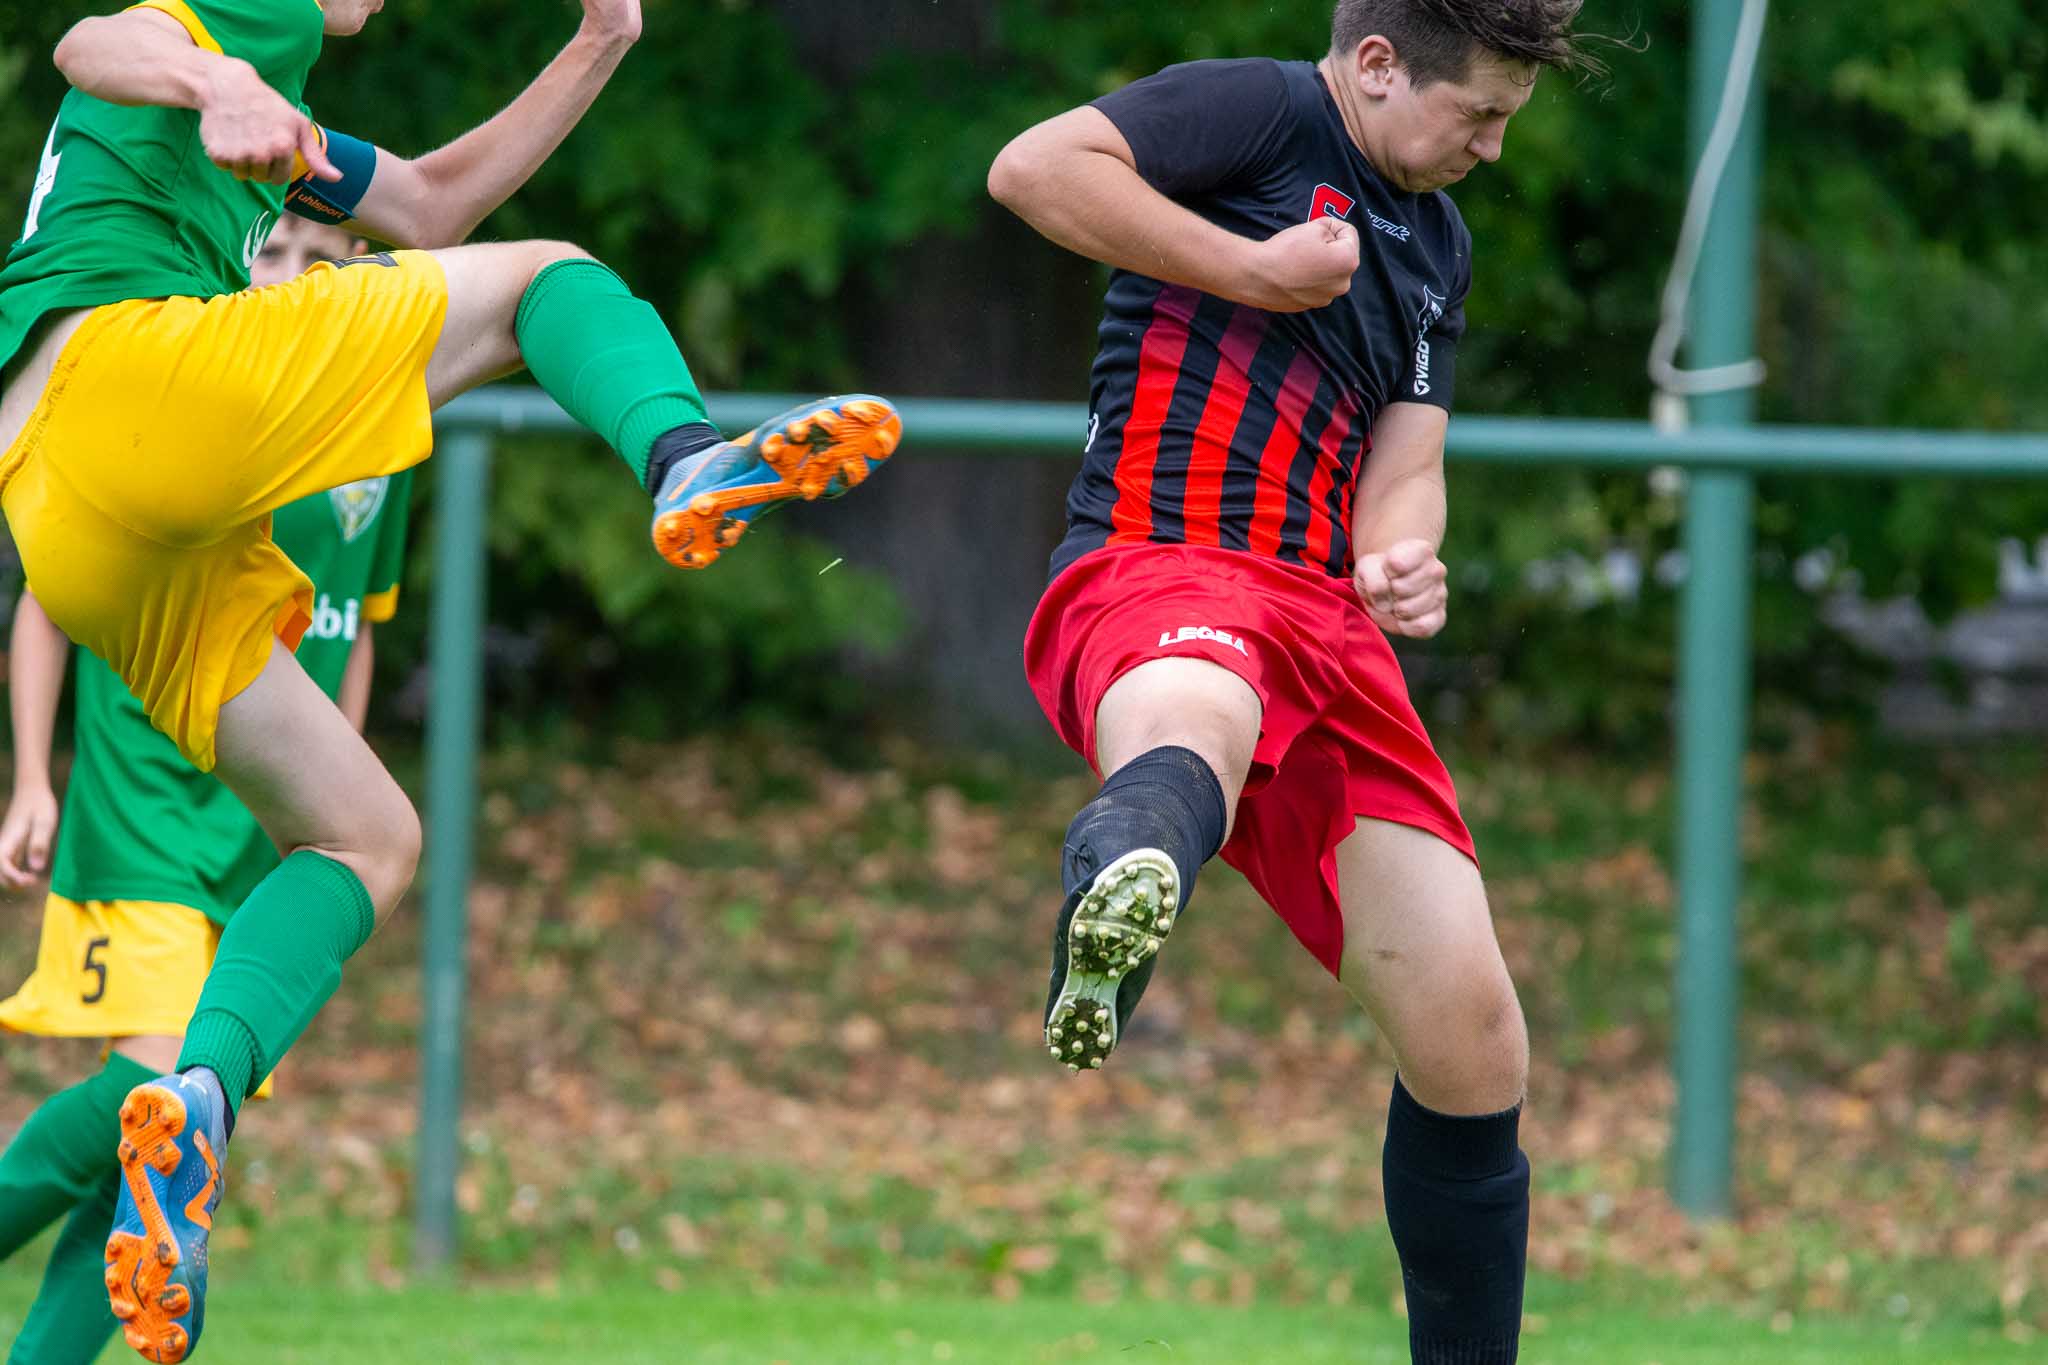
126, 204
140, 823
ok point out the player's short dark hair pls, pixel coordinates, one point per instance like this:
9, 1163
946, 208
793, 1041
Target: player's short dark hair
1437, 40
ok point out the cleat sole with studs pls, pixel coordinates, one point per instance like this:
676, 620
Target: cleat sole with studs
820, 450
1121, 922
143, 1287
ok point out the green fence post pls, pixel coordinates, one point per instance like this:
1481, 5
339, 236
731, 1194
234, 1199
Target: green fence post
461, 491
1714, 668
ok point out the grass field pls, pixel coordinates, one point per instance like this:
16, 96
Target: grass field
754, 1075
272, 1324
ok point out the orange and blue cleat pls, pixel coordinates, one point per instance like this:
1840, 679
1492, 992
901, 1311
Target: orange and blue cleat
819, 450
173, 1139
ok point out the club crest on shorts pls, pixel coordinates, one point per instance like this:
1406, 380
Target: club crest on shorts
357, 504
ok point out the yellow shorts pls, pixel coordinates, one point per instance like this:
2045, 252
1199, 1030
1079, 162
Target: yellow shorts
115, 969
140, 491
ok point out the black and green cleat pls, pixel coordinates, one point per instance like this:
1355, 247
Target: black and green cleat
1109, 934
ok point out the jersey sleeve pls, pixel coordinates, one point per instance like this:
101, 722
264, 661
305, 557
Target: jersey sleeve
387, 566
1433, 373
1203, 125
263, 33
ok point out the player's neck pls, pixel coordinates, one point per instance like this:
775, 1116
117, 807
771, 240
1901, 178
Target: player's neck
1354, 109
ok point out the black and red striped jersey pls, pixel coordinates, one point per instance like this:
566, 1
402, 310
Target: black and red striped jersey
1214, 423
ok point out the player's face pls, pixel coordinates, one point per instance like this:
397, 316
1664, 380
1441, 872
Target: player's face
1435, 135
344, 17
295, 246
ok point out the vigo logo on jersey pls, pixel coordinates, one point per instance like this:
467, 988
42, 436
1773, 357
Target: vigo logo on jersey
1433, 305
335, 623
357, 504
255, 237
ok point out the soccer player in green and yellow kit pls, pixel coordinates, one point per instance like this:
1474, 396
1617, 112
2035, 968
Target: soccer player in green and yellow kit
155, 856
155, 412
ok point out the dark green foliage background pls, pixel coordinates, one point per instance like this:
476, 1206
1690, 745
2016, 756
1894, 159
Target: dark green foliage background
759, 170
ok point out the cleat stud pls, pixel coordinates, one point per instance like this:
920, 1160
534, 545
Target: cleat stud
166, 1254
1095, 1063
704, 504
1115, 973
1057, 1032
1102, 1016
1075, 1046
1073, 1066
1055, 1051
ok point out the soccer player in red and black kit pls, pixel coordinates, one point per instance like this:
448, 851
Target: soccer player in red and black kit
1261, 505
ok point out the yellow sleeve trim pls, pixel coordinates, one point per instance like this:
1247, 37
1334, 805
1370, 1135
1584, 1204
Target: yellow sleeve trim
381, 606
182, 12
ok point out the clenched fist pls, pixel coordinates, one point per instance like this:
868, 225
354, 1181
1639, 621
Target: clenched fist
253, 133
1405, 589
1305, 267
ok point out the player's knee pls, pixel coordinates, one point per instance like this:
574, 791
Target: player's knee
546, 253
1476, 1057
387, 850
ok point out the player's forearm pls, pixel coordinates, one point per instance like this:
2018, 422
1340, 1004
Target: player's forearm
1093, 203
1410, 506
465, 181
37, 655
144, 58
354, 696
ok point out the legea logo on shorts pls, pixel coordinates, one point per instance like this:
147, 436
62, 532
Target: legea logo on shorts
1187, 633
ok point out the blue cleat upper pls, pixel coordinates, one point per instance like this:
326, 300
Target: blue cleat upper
173, 1143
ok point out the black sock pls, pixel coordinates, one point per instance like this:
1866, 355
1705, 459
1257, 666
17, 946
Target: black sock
1168, 799
1457, 1192
677, 443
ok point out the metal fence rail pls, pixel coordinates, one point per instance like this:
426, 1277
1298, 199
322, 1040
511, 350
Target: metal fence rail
1714, 680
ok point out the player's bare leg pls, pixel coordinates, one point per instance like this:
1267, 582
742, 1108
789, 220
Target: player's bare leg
351, 843
1420, 955
707, 491
1176, 738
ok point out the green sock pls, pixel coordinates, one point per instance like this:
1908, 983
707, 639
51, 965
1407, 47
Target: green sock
279, 961
70, 1321
64, 1153
606, 358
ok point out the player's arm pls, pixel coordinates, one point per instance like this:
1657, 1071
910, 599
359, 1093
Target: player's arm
147, 56
1398, 522
36, 658
1080, 180
354, 696
438, 199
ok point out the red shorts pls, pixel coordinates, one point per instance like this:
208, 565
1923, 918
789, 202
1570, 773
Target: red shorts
1340, 739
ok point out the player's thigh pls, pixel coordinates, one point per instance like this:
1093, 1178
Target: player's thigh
1191, 703
183, 418
285, 749
1421, 956
485, 285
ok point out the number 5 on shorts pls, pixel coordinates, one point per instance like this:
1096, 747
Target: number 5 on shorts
97, 968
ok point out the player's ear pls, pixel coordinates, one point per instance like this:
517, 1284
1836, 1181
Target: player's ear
1376, 65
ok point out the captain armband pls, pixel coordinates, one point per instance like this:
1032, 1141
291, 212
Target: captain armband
334, 201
